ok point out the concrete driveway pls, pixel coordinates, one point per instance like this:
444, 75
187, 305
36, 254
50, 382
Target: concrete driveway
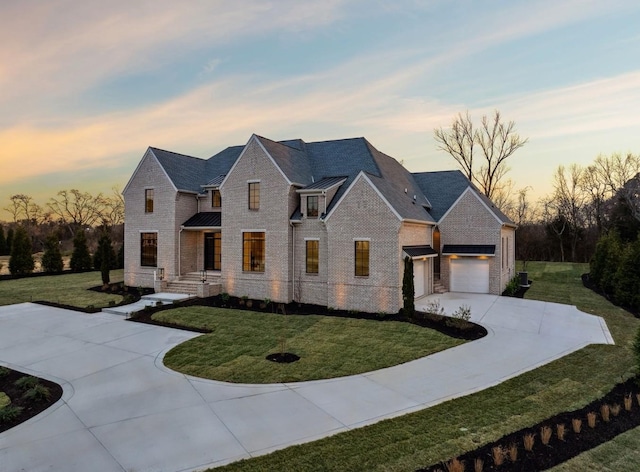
122, 410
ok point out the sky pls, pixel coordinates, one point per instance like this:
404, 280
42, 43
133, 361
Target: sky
87, 86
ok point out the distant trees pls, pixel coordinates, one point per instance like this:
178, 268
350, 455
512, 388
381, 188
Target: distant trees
481, 152
21, 261
52, 257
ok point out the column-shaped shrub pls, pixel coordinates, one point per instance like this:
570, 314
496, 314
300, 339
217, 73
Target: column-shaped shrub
80, 259
408, 290
605, 261
627, 279
21, 261
52, 258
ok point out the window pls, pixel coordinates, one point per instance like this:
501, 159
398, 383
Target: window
362, 258
253, 252
254, 195
312, 256
312, 206
148, 200
149, 249
216, 199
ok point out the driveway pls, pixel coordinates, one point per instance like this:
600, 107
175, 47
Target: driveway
122, 410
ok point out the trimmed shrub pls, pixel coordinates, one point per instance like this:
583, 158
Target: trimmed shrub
21, 261
37, 393
104, 258
605, 261
627, 277
25, 383
80, 259
52, 257
9, 413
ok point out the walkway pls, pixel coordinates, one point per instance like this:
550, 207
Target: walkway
122, 410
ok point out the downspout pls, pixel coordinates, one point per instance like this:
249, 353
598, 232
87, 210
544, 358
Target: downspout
293, 260
179, 250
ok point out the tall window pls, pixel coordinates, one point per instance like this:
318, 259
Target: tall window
148, 200
149, 249
362, 258
253, 252
312, 206
254, 195
216, 199
312, 256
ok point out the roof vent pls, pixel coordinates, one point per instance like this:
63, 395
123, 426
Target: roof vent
405, 190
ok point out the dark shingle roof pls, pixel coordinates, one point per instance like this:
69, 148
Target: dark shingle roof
292, 161
443, 188
469, 250
418, 251
216, 181
205, 219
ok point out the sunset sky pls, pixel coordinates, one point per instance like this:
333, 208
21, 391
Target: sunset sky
87, 86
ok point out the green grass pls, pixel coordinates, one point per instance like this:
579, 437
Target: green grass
67, 289
449, 429
328, 346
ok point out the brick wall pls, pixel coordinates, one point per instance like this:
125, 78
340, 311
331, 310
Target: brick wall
276, 200
414, 234
470, 222
363, 214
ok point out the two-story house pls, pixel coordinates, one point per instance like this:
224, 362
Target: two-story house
327, 223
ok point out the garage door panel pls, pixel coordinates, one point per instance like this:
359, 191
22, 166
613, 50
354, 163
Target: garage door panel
469, 275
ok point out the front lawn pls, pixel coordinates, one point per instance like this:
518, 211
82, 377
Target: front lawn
328, 346
447, 430
65, 289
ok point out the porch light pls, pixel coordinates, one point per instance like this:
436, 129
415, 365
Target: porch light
160, 273
203, 276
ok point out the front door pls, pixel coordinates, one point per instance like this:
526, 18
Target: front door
212, 246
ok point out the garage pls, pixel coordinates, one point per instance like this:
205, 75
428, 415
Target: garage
470, 275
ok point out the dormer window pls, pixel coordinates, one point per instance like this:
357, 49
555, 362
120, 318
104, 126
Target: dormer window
216, 199
312, 206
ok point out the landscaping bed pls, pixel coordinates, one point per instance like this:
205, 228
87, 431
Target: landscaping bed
29, 396
566, 435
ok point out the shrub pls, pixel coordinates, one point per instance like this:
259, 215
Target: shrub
512, 287
4, 371
37, 393
433, 307
478, 465
576, 424
636, 349
463, 313
52, 258
605, 261
80, 259
528, 441
560, 431
591, 419
545, 435
454, 465
627, 277
9, 413
21, 261
408, 289
605, 411
25, 383
498, 455
104, 259
615, 409
513, 452
628, 402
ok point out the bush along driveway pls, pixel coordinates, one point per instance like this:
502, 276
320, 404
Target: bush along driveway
122, 409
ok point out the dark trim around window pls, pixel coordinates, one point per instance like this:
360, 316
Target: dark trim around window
149, 249
253, 251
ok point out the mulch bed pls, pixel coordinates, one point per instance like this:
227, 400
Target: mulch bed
30, 408
543, 457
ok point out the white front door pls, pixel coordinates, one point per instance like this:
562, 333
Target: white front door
470, 275
418, 278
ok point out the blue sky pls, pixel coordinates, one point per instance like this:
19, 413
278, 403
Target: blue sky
86, 86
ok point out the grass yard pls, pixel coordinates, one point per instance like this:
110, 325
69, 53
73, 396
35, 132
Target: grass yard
67, 289
328, 346
449, 429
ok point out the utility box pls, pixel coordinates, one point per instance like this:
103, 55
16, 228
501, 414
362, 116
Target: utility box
524, 279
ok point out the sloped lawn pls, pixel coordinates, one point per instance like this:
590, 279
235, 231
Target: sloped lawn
448, 430
328, 346
63, 289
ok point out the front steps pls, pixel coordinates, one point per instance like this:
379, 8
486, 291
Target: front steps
147, 300
191, 284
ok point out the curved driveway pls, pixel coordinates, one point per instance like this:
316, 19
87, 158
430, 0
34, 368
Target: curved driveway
122, 410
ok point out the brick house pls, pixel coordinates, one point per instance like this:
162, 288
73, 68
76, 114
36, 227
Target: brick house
327, 223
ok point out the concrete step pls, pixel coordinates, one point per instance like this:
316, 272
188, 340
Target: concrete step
147, 300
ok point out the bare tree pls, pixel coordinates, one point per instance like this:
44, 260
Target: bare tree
23, 208
112, 213
571, 200
77, 208
496, 140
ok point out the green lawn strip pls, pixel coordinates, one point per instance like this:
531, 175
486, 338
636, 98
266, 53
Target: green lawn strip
4, 400
66, 289
449, 429
328, 346
622, 454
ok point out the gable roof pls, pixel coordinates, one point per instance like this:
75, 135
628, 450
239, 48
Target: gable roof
423, 196
444, 188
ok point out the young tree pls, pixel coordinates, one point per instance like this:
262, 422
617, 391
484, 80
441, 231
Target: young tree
104, 258
21, 261
9, 240
52, 258
627, 277
408, 289
497, 142
80, 259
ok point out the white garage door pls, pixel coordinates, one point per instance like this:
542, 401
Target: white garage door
470, 275
418, 278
